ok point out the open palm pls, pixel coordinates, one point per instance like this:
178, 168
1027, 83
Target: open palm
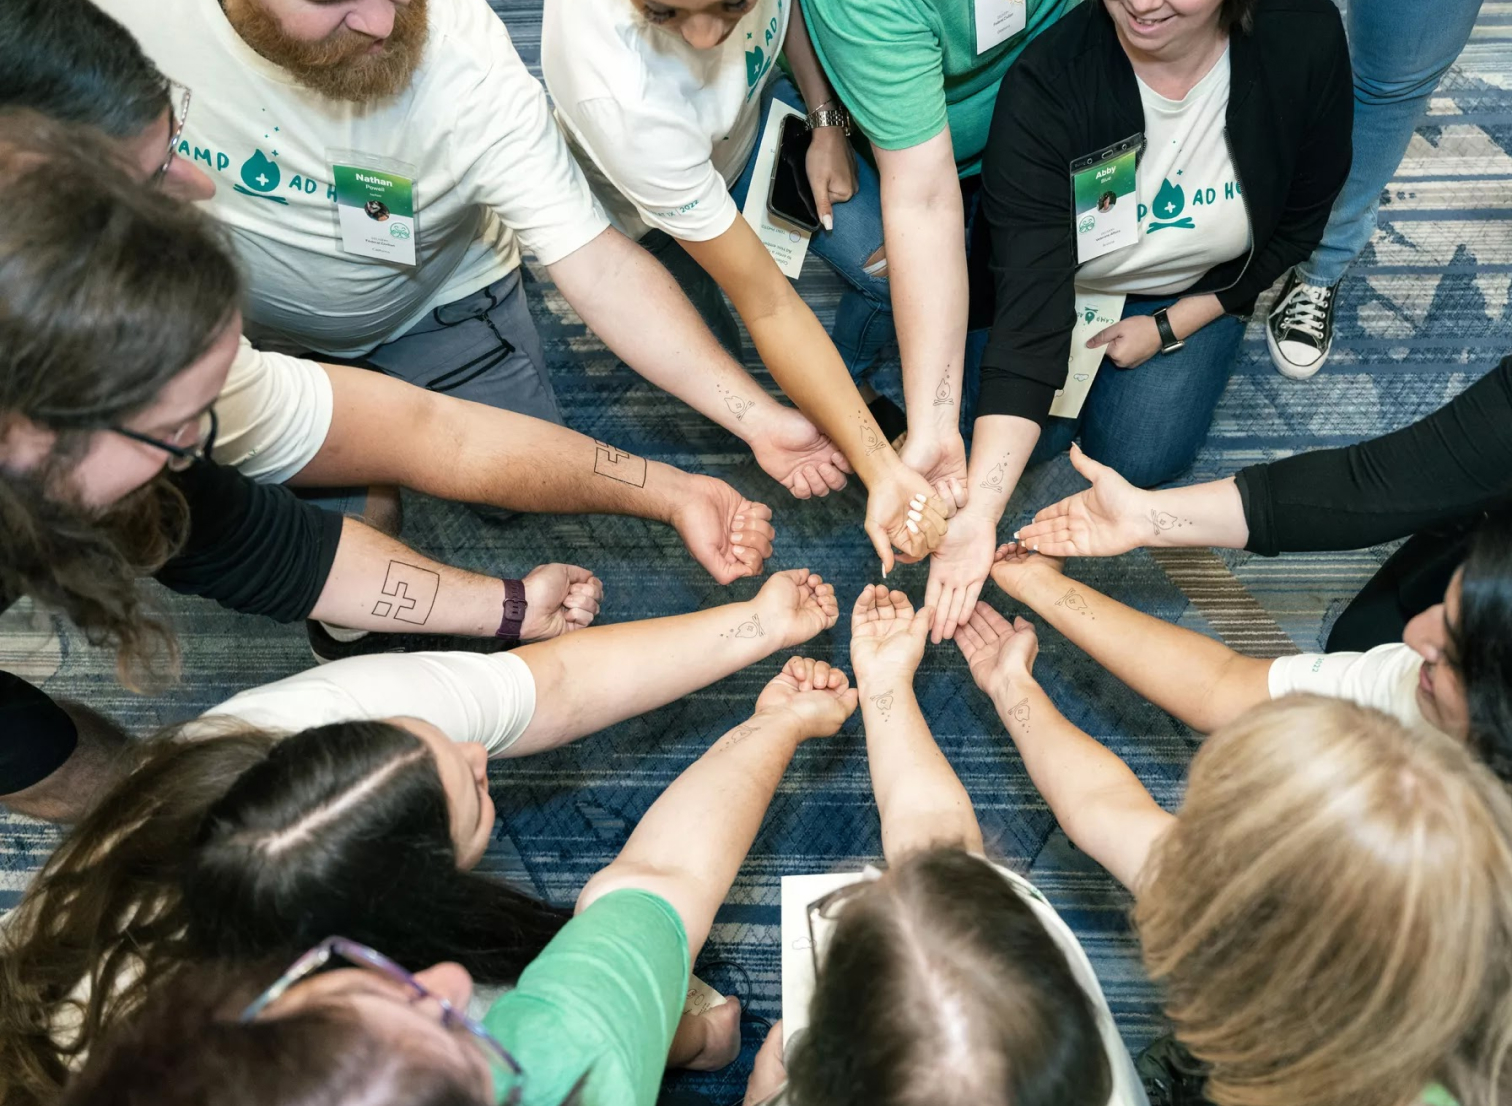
886, 634
1109, 518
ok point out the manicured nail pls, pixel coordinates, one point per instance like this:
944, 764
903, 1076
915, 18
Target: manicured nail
915, 516
913, 526
1015, 535
829, 222
884, 574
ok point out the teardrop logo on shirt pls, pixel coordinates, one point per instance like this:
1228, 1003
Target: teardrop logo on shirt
1170, 201
261, 175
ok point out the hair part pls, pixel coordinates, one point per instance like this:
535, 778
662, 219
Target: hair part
1330, 870
940, 987
1482, 640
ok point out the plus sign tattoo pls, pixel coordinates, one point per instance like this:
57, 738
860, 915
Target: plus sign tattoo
1073, 601
751, 629
943, 398
996, 475
884, 704
618, 465
738, 405
1019, 712
1164, 521
409, 593
870, 441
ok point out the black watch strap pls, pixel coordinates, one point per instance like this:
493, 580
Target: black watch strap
514, 612
1168, 340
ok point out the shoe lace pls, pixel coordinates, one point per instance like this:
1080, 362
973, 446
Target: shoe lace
1307, 310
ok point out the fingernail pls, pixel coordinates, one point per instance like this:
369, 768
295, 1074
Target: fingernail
913, 526
915, 516
884, 574
829, 222
1015, 535
737, 548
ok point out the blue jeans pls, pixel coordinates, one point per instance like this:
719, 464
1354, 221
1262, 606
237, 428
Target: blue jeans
1148, 422
863, 321
1399, 50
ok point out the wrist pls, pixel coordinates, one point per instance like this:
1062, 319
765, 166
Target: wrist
1011, 689
885, 678
781, 723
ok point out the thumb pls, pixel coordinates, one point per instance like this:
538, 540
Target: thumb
1090, 469
825, 208
882, 544
922, 621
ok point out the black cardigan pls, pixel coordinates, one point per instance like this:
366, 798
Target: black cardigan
1073, 92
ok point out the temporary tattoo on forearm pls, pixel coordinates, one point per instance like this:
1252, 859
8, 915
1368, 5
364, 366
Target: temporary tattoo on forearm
750, 629
737, 404
884, 704
1164, 521
409, 593
996, 475
942, 397
871, 441
1073, 601
616, 464
1019, 712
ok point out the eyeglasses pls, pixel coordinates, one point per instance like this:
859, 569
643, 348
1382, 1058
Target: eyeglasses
181, 456
181, 93
505, 1068
826, 908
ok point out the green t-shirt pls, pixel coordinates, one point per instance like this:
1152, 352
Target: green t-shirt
906, 67
1437, 1096
603, 997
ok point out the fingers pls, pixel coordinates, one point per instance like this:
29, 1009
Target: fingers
1103, 337
882, 544
918, 628
866, 603
1050, 539
824, 208
832, 477
992, 622
824, 595
841, 462
973, 592
952, 493
798, 483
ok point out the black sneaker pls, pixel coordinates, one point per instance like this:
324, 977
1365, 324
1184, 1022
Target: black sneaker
1171, 1075
1299, 330
327, 649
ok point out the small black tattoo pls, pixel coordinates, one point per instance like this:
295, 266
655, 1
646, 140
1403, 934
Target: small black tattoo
1019, 712
736, 736
1073, 601
884, 704
616, 464
870, 439
738, 405
410, 593
751, 629
1164, 520
996, 475
942, 397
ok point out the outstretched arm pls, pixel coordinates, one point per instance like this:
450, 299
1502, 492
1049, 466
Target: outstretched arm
692, 841
1201, 681
585, 682
1097, 800
616, 286
919, 797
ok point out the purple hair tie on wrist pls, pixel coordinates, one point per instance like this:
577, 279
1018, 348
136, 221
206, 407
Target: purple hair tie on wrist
514, 612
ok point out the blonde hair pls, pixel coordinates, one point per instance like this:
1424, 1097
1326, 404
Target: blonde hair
1331, 913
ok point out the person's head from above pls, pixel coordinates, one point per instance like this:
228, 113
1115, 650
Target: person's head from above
702, 24
1169, 30
939, 984
119, 320
362, 1032
254, 847
1465, 686
1330, 914
358, 50
68, 60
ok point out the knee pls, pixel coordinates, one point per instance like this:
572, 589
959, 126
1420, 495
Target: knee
1396, 90
1140, 465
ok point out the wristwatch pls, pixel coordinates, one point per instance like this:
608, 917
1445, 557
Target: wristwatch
1169, 343
825, 116
514, 613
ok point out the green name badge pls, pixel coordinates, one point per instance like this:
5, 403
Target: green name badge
376, 210
1105, 204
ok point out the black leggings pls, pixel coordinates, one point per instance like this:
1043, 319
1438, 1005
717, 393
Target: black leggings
1414, 579
36, 736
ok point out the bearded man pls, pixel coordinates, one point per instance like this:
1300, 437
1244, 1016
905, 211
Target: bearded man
307, 111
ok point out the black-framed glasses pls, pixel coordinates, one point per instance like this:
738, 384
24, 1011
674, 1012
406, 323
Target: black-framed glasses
508, 1076
181, 94
180, 455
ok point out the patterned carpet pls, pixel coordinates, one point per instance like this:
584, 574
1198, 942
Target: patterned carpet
1423, 313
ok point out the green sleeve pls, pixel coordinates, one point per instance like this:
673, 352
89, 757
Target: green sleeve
887, 65
603, 998
1436, 1095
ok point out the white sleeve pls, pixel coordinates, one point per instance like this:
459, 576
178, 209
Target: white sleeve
488, 699
522, 170
274, 414
1384, 678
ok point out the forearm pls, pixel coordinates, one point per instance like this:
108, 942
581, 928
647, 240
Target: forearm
808, 74
1001, 445
1201, 681
1093, 794
919, 797
691, 843
377, 583
924, 229
617, 287
1210, 514
596, 677
472, 453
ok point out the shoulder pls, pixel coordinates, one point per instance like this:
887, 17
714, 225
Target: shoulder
468, 43
590, 52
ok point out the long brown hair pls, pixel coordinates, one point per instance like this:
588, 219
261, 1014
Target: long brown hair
108, 290
1331, 912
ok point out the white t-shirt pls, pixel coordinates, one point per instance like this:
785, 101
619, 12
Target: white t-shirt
1191, 210
490, 164
274, 414
663, 130
1385, 678
488, 699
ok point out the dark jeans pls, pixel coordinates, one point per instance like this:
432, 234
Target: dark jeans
1412, 580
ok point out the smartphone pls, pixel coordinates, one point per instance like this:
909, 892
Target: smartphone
791, 199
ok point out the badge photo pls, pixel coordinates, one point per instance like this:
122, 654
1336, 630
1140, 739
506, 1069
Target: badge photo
375, 208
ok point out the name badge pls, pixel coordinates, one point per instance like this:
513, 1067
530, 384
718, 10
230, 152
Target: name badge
1105, 201
997, 21
375, 207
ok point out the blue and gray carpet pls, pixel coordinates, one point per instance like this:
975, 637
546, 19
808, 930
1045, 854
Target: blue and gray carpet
1423, 313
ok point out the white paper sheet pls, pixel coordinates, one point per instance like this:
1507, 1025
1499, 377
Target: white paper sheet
1095, 311
797, 958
